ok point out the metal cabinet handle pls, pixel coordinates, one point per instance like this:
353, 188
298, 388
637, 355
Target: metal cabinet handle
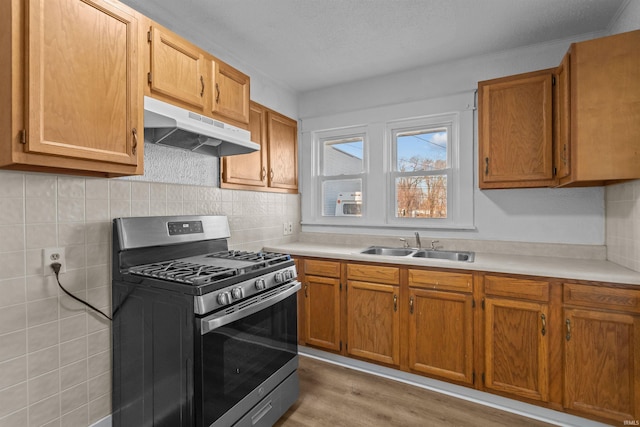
395, 302
271, 174
306, 290
544, 324
217, 93
486, 166
263, 175
411, 305
202, 89
134, 147
568, 323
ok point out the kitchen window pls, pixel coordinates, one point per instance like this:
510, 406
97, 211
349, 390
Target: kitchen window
396, 169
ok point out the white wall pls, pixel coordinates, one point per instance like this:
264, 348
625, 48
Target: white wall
573, 216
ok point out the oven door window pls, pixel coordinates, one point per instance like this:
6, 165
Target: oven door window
238, 357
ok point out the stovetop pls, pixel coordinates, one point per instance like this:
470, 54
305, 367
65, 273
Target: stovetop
210, 268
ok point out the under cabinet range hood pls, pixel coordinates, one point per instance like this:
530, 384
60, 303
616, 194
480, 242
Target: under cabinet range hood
166, 124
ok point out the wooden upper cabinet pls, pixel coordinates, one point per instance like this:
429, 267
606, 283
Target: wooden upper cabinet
275, 167
177, 69
604, 90
82, 112
283, 151
250, 169
230, 92
516, 131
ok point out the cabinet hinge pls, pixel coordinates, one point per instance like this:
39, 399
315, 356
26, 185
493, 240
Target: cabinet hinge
483, 309
340, 345
483, 378
473, 305
23, 136
149, 36
149, 77
553, 80
473, 377
555, 171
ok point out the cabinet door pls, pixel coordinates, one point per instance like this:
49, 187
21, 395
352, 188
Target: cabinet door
562, 118
283, 151
322, 312
251, 168
83, 99
602, 358
515, 131
516, 356
230, 96
177, 69
373, 330
441, 334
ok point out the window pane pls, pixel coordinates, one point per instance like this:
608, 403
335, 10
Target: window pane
342, 197
421, 197
343, 157
421, 150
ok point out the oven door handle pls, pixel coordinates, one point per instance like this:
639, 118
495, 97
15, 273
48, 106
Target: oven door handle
217, 320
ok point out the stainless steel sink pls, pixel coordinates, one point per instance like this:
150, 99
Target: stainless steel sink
379, 250
421, 253
449, 255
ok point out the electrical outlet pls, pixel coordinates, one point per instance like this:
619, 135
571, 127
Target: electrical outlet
287, 228
51, 255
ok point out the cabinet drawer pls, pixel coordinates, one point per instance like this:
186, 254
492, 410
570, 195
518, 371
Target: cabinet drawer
441, 280
516, 288
602, 297
373, 273
322, 268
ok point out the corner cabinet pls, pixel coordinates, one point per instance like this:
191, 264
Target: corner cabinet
574, 125
275, 167
515, 131
70, 92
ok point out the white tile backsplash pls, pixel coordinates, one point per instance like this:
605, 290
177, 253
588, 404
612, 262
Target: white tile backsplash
47, 335
623, 224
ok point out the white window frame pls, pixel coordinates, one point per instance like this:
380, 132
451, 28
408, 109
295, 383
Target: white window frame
378, 185
450, 122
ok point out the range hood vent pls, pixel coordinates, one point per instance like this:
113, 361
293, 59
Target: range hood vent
166, 124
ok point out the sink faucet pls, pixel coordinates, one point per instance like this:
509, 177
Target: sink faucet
418, 244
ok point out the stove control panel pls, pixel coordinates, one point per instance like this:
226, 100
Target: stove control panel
223, 297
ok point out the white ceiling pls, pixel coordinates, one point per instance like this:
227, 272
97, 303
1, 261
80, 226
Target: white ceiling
311, 44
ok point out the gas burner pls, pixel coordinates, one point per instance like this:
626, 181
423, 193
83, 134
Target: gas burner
185, 272
265, 258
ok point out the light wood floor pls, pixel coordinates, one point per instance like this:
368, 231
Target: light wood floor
331, 395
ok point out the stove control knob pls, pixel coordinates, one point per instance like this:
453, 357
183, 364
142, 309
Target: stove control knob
260, 284
288, 275
224, 298
237, 293
279, 277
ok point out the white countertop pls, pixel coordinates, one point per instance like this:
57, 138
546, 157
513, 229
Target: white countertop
564, 268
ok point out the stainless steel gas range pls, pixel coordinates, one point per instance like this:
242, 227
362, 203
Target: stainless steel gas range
202, 336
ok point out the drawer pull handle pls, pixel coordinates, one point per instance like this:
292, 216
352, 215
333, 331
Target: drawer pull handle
306, 290
411, 305
544, 324
568, 323
395, 303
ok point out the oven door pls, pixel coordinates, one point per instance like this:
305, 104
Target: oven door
244, 352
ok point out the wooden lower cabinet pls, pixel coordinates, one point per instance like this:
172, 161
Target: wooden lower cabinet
516, 338
572, 347
440, 340
602, 352
373, 322
321, 290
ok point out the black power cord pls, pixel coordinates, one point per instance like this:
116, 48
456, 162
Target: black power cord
56, 269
